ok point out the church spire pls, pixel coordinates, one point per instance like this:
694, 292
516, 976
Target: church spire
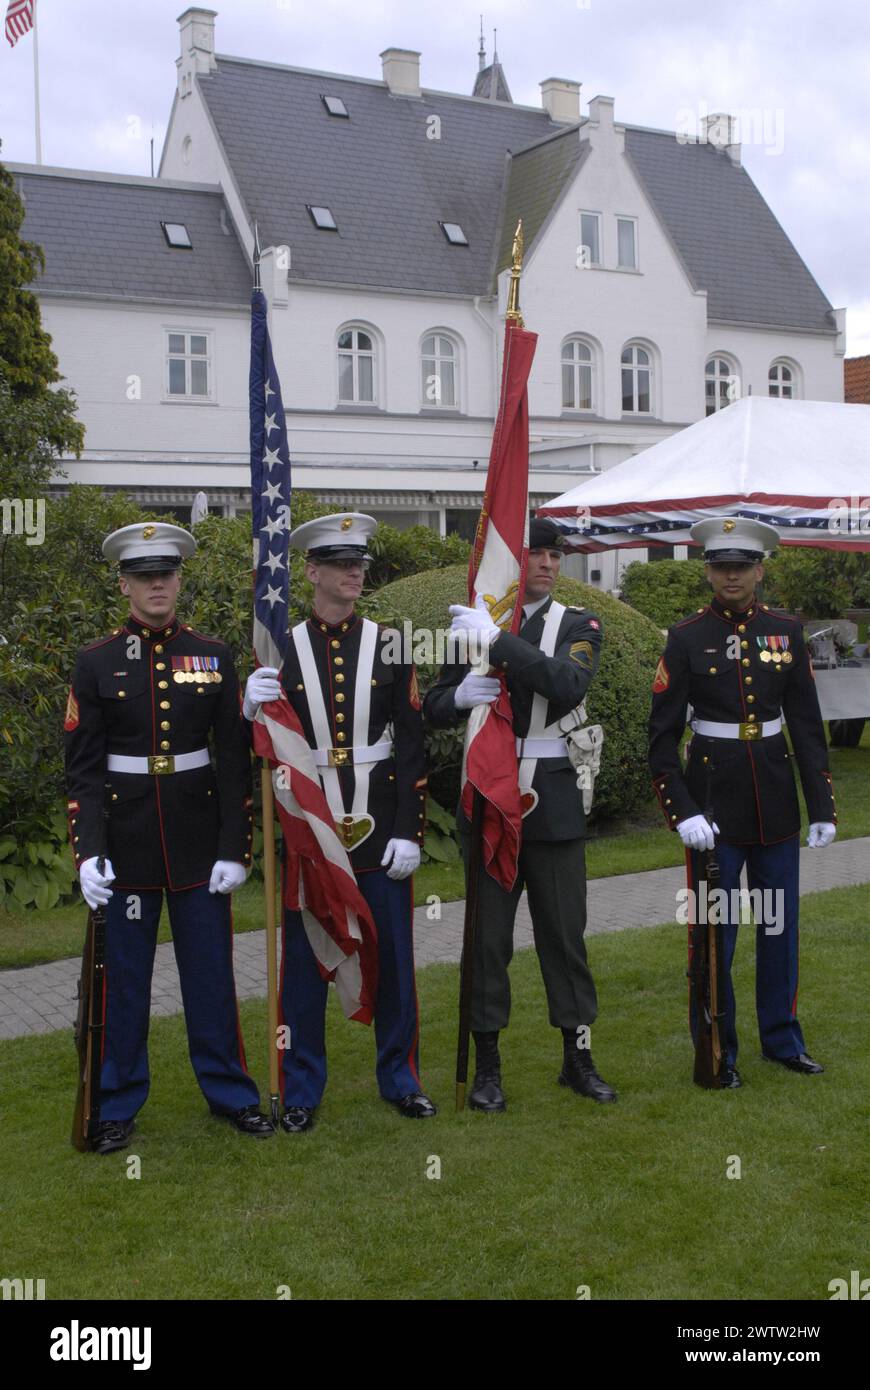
490, 82
481, 53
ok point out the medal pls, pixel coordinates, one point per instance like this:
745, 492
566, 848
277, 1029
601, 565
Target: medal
776, 656
764, 656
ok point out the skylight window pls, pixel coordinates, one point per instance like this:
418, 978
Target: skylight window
454, 233
335, 106
322, 218
177, 236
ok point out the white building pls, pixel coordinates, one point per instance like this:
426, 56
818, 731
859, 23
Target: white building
657, 278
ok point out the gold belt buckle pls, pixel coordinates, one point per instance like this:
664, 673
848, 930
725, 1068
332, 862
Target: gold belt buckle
159, 762
748, 732
339, 757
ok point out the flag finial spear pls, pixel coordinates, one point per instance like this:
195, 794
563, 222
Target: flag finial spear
513, 307
257, 284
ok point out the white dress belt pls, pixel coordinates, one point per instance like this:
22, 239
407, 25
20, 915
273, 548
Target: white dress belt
179, 762
371, 753
711, 729
542, 748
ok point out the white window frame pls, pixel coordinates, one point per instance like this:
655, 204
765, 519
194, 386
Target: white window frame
355, 353
635, 367
777, 366
586, 212
425, 402
189, 398
577, 364
625, 217
731, 376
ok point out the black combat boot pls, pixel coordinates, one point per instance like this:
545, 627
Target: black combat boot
486, 1093
578, 1071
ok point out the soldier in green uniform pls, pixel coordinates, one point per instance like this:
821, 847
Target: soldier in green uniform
549, 666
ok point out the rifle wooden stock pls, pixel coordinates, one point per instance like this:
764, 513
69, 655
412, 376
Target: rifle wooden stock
89, 1031
706, 994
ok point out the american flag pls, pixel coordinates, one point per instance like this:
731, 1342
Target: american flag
318, 878
19, 19
497, 569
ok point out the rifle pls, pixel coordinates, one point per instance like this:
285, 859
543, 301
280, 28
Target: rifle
706, 995
88, 1032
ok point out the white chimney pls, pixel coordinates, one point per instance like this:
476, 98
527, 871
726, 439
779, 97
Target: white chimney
720, 130
402, 71
601, 111
197, 47
560, 99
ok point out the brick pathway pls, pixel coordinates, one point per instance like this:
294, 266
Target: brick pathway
42, 998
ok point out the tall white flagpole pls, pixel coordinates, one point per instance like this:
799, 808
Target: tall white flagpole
36, 87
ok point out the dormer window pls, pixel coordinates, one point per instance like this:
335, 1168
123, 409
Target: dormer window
322, 218
454, 233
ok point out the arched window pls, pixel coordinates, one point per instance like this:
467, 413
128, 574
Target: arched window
782, 381
439, 372
357, 377
637, 380
578, 375
721, 384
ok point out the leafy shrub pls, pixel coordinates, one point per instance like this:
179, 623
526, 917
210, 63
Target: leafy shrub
619, 697
666, 590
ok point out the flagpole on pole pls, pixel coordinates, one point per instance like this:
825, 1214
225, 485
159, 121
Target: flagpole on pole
36, 86
475, 846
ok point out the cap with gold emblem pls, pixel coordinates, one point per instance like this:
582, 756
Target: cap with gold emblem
149, 547
544, 534
343, 536
734, 538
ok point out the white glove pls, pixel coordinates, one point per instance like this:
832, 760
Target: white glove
476, 619
697, 833
226, 876
95, 886
401, 858
476, 690
821, 834
261, 686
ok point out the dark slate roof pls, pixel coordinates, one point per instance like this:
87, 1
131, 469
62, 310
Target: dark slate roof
492, 83
728, 238
536, 181
388, 185
101, 236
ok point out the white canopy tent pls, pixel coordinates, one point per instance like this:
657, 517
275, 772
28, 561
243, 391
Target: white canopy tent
802, 466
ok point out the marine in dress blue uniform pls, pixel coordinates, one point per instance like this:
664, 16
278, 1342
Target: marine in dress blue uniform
321, 678
742, 668
154, 712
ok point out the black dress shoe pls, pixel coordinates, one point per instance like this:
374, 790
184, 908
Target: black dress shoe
111, 1135
730, 1078
486, 1094
578, 1072
297, 1118
415, 1107
249, 1120
801, 1063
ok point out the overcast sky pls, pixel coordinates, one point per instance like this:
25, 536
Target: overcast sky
800, 69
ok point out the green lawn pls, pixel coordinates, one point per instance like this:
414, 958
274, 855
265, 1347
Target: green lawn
631, 1200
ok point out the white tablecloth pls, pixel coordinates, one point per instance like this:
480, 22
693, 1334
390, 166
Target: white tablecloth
845, 693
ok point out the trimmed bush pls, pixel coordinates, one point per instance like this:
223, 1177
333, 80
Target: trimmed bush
666, 590
619, 697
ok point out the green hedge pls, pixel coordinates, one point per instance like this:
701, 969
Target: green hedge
666, 590
619, 697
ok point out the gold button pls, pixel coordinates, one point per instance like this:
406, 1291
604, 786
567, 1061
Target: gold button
752, 716
121, 694
339, 697
164, 704
504, 665
339, 719
744, 644
712, 670
339, 661
668, 800
76, 839
160, 666
420, 816
748, 680
159, 649
779, 670
706, 760
339, 738
165, 724
210, 792
300, 686
745, 662
335, 642
163, 685
338, 676
374, 682
700, 610
727, 612
167, 632
146, 632
741, 627
344, 627
200, 690
323, 627
750, 699
165, 745
114, 796
392, 777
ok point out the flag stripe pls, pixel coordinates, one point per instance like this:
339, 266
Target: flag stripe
19, 20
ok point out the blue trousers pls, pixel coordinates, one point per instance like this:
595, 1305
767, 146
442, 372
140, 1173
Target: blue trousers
202, 937
304, 995
773, 870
